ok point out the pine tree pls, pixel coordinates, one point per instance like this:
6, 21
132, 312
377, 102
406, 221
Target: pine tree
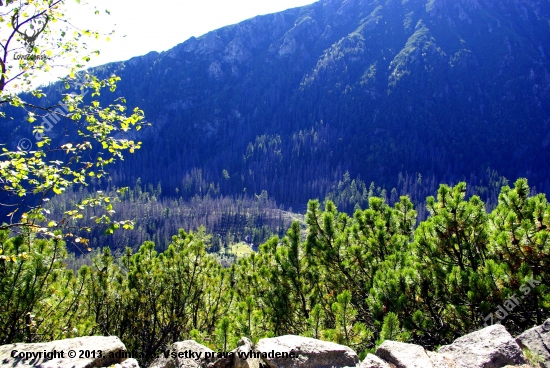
521, 241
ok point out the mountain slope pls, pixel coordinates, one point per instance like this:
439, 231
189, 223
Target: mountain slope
288, 102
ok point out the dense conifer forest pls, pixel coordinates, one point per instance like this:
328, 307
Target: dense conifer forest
237, 218
287, 103
356, 280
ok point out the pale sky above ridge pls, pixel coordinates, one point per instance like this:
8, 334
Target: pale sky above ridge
143, 26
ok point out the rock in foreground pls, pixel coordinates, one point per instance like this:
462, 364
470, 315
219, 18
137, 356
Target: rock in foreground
537, 340
306, 353
90, 351
404, 355
372, 361
188, 354
490, 347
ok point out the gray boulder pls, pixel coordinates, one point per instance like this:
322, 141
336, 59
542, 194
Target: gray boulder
128, 363
491, 347
292, 351
188, 353
441, 360
102, 351
537, 340
243, 354
372, 361
404, 355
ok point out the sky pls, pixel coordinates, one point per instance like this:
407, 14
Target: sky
143, 26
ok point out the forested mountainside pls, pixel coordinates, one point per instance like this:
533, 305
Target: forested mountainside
288, 102
384, 90
227, 220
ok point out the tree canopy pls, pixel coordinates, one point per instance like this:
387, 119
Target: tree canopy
355, 280
88, 137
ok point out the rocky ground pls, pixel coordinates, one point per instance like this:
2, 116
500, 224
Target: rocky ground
491, 347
